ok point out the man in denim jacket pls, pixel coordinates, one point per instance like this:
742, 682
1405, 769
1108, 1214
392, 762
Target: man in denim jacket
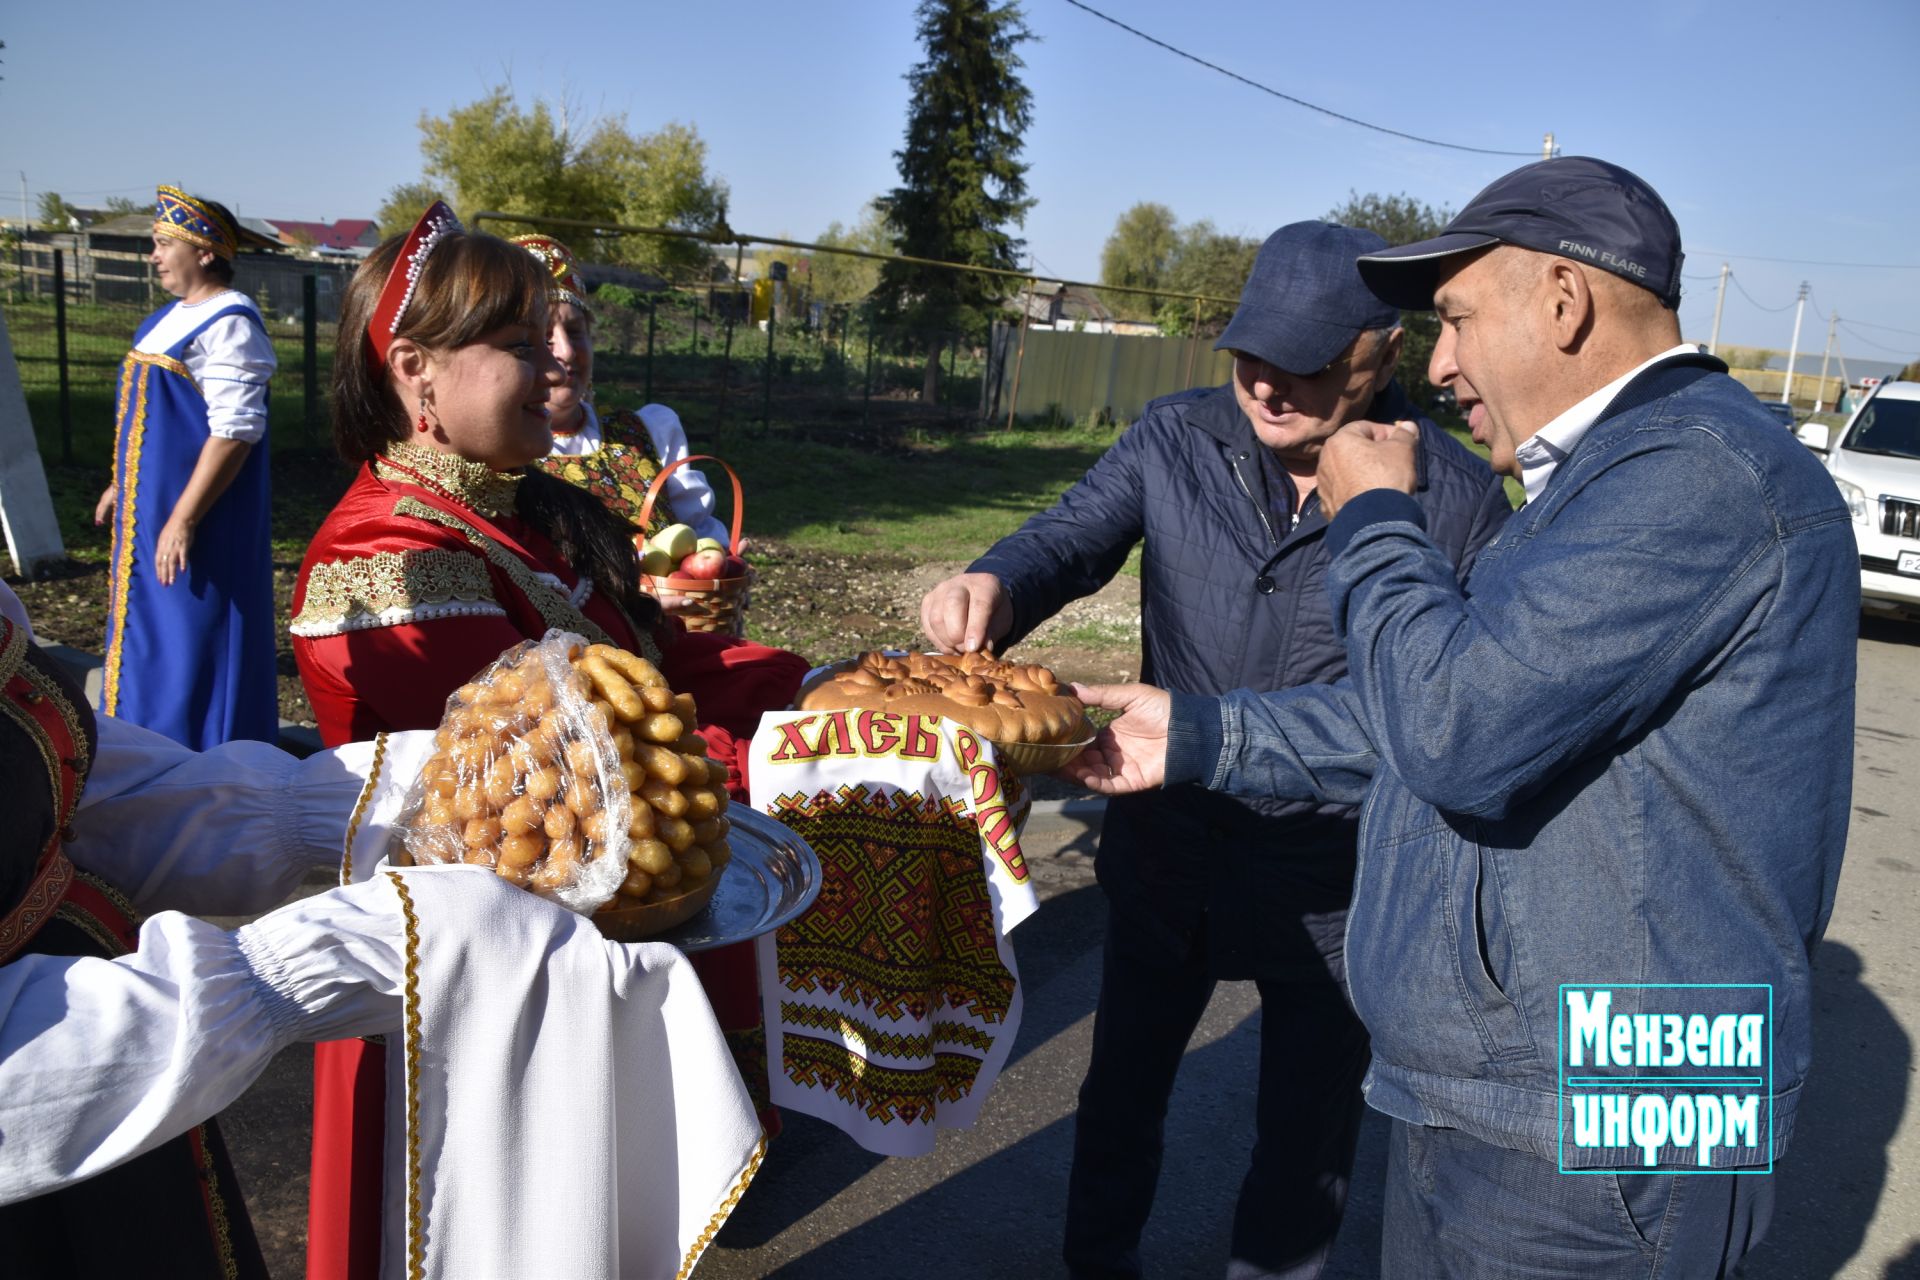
1620, 754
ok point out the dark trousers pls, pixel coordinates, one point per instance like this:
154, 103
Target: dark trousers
1458, 1208
1313, 1055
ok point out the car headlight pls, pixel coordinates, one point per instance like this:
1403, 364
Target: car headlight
1854, 496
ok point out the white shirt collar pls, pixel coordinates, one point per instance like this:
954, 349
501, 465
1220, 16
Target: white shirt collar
1543, 451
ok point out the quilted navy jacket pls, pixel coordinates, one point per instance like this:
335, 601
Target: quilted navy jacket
1231, 598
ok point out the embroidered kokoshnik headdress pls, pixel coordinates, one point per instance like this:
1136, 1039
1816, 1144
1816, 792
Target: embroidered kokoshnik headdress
403, 277
185, 217
561, 265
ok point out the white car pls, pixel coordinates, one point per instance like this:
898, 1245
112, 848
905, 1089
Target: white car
1875, 459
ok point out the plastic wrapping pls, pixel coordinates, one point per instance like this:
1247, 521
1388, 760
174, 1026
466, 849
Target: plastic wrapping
571, 769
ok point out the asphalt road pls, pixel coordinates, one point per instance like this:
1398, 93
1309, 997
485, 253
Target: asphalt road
988, 1202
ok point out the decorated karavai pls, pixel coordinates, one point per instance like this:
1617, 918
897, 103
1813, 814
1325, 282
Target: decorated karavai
449, 548
189, 647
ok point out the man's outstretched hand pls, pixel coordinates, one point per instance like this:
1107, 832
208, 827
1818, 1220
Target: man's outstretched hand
1131, 753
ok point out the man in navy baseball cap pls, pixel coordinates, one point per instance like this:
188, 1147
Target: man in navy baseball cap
1305, 302
1216, 487
1577, 207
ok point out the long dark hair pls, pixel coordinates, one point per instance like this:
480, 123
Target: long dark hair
472, 285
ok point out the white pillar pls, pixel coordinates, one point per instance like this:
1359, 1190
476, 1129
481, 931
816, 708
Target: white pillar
1793, 348
1719, 305
26, 508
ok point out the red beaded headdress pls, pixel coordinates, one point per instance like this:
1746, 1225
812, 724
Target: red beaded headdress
558, 260
434, 226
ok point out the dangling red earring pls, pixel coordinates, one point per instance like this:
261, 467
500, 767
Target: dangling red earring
422, 426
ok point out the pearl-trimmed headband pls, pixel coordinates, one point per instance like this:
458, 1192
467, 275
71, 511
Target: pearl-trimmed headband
435, 225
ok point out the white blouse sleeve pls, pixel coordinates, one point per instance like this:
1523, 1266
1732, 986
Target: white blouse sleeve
101, 1060
233, 361
229, 831
687, 490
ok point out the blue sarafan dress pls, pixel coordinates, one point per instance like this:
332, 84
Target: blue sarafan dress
193, 660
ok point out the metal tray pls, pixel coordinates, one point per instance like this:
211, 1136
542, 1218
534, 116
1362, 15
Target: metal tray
774, 876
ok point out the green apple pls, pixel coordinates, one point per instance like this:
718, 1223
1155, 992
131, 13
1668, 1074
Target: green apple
655, 562
710, 544
676, 540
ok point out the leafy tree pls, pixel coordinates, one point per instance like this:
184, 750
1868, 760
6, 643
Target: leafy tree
962, 183
1139, 254
492, 154
839, 280
1911, 373
1401, 220
1747, 357
56, 214
403, 207
1210, 262
121, 205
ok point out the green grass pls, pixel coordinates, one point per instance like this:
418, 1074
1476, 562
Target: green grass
944, 501
1091, 635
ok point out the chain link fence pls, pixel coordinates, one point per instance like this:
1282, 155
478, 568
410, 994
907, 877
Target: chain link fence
71, 331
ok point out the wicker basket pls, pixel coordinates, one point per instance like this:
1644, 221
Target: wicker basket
710, 604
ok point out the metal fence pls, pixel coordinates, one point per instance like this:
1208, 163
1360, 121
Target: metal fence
70, 335
734, 357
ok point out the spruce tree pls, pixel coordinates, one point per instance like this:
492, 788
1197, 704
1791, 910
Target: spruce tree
962, 184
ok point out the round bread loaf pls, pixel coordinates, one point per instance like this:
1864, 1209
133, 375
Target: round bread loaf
1002, 701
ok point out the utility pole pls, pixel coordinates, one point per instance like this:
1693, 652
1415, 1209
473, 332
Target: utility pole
1820, 395
1546, 147
1793, 348
1719, 305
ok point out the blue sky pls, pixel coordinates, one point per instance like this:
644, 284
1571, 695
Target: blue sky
1773, 131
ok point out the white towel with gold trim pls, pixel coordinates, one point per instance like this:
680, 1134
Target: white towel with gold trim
558, 1104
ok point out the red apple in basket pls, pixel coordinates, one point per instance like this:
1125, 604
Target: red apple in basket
734, 567
704, 564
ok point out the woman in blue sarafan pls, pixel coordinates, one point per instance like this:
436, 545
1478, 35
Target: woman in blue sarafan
190, 622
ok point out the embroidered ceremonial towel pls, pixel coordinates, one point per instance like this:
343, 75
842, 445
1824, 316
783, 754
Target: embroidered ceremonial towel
892, 1004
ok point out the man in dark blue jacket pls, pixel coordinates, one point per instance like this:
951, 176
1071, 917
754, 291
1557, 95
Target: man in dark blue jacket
1220, 484
1605, 784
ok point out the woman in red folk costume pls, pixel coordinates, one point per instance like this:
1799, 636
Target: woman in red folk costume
446, 550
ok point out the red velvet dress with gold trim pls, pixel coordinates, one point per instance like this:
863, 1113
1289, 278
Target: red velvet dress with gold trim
421, 576
177, 1208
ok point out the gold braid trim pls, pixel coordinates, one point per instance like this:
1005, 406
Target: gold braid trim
416, 1227
77, 915
216, 1205
391, 588
168, 363
133, 373
474, 485
13, 652
50, 689
48, 756
725, 1210
360, 806
554, 607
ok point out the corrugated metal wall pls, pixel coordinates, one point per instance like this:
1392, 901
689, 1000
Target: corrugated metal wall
1072, 375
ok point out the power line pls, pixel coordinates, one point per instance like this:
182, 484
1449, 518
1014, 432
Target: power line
1911, 333
1875, 345
1749, 297
1287, 97
1804, 262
